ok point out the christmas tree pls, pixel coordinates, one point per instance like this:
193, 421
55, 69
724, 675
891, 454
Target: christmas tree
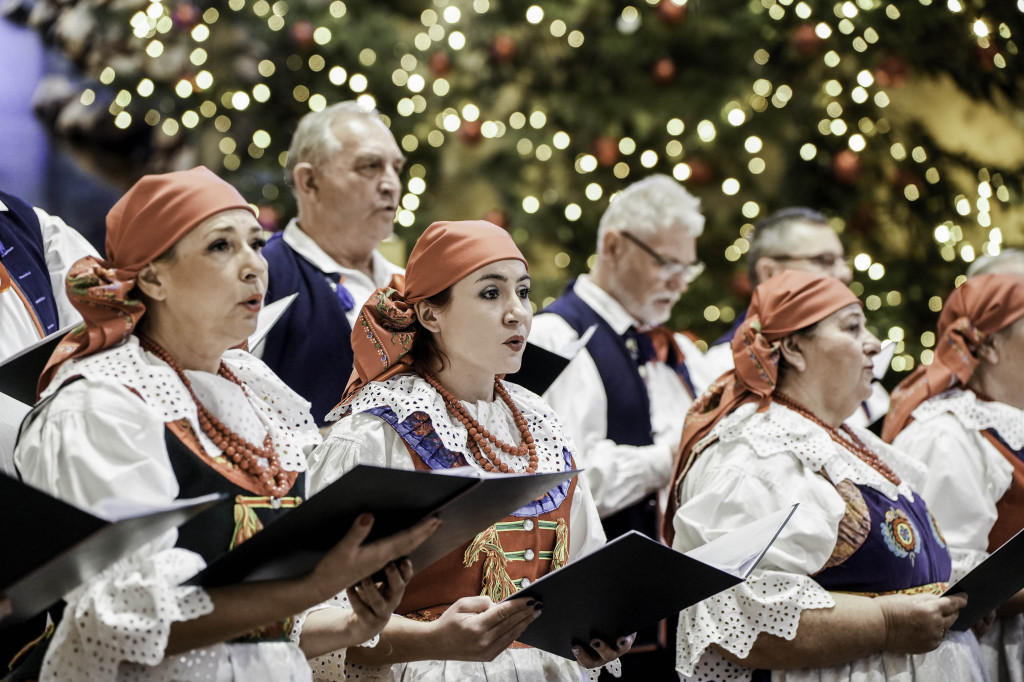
901, 120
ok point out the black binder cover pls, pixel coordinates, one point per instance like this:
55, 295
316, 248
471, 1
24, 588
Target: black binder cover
52, 546
633, 582
293, 544
991, 582
19, 373
539, 369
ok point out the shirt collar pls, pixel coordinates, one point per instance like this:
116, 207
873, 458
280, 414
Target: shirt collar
303, 244
604, 305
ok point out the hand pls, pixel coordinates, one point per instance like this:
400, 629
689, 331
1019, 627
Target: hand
477, 629
349, 561
981, 628
600, 653
372, 604
916, 624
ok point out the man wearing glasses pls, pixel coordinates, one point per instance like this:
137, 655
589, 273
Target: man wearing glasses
795, 238
624, 396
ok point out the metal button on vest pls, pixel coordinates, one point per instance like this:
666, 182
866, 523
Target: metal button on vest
528, 555
526, 582
528, 524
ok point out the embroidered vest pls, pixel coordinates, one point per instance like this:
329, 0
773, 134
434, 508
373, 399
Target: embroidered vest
885, 546
522, 547
310, 347
1010, 507
23, 263
214, 532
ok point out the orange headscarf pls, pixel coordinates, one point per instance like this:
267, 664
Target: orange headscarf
780, 306
445, 253
980, 307
151, 217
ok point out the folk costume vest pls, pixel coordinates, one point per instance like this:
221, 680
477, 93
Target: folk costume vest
629, 406
310, 346
1010, 507
23, 263
519, 549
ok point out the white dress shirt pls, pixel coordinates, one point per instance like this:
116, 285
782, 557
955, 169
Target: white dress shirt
618, 475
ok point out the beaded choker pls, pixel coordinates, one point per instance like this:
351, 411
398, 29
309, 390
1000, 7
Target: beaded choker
244, 454
480, 439
848, 439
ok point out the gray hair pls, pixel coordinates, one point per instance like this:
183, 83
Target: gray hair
314, 141
649, 205
1006, 262
771, 234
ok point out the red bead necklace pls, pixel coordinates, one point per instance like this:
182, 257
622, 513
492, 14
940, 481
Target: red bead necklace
480, 439
244, 454
848, 439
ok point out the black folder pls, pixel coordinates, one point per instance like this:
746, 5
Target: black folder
466, 500
19, 373
539, 369
51, 547
990, 583
633, 582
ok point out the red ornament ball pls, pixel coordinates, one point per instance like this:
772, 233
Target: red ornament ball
185, 16
269, 218
503, 49
846, 167
701, 172
664, 71
670, 13
497, 217
891, 71
806, 40
987, 57
439, 63
301, 35
469, 132
606, 150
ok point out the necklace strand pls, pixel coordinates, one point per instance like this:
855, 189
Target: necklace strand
245, 455
847, 438
481, 440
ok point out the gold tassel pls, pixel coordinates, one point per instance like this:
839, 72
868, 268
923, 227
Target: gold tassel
247, 523
496, 584
561, 554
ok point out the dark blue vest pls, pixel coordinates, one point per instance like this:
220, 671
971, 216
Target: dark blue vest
23, 256
310, 347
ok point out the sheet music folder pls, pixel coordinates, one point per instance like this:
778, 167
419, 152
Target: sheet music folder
633, 582
466, 500
19, 373
539, 369
54, 546
990, 583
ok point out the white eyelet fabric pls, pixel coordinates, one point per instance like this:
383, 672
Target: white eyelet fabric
762, 462
976, 414
269, 405
409, 393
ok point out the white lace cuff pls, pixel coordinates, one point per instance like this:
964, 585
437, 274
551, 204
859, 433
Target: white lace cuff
772, 602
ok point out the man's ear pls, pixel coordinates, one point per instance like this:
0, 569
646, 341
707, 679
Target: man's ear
427, 316
304, 179
767, 267
150, 282
791, 348
988, 350
611, 245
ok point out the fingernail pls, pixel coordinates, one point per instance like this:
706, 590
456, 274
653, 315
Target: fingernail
531, 602
622, 642
596, 644
366, 519
577, 652
538, 606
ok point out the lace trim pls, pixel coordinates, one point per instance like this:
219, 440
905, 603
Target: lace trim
779, 429
406, 394
976, 414
772, 602
273, 407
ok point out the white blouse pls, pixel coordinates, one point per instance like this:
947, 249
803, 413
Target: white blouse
762, 462
97, 439
363, 438
970, 476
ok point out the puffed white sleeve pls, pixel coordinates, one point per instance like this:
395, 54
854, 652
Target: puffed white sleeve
728, 487
618, 475
63, 245
967, 475
88, 443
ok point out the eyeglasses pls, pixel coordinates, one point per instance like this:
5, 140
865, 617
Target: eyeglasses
669, 269
826, 261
